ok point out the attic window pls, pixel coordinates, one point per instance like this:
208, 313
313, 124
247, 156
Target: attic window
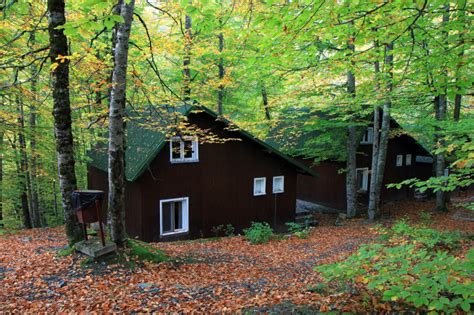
368, 136
183, 150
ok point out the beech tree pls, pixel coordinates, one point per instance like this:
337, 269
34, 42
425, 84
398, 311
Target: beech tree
116, 150
62, 115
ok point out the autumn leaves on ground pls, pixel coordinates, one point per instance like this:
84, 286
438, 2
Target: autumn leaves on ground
216, 275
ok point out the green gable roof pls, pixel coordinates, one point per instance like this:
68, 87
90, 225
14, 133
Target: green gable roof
145, 142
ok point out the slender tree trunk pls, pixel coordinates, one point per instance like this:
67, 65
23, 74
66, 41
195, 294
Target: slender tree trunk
37, 215
265, 102
62, 116
21, 208
1, 178
458, 97
379, 164
26, 185
440, 115
351, 145
116, 127
188, 41
115, 11
220, 89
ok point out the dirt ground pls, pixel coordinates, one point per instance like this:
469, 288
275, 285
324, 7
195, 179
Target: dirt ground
218, 275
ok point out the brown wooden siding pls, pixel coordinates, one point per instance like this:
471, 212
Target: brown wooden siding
219, 187
329, 187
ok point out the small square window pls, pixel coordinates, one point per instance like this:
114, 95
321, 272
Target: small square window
259, 186
408, 160
183, 150
368, 136
174, 216
278, 184
399, 160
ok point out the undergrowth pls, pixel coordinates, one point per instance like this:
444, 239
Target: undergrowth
413, 268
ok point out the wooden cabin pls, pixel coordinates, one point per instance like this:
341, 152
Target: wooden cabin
406, 159
182, 182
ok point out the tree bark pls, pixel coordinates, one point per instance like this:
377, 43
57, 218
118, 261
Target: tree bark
38, 218
351, 145
188, 40
1, 178
24, 163
378, 165
62, 116
220, 89
116, 127
265, 102
21, 208
440, 115
458, 97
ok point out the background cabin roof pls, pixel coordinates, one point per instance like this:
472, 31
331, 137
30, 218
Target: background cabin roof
317, 135
146, 136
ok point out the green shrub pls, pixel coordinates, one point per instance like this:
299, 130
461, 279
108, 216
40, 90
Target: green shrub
143, 252
430, 238
223, 230
258, 232
217, 230
66, 251
406, 270
425, 218
229, 230
297, 229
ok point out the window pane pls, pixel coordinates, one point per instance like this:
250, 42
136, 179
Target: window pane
188, 149
176, 148
360, 179
178, 215
166, 217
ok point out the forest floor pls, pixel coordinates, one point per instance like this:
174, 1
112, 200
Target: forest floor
215, 275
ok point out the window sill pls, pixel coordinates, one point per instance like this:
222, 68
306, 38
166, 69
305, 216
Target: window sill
178, 232
260, 194
279, 192
183, 161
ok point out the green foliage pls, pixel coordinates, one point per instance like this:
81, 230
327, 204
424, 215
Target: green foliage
258, 233
408, 271
66, 251
425, 218
143, 252
298, 229
226, 230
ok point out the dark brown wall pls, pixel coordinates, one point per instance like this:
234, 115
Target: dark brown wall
219, 187
329, 187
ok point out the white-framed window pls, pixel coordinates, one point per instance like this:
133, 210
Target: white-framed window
278, 184
362, 177
183, 150
408, 160
259, 184
400, 160
368, 136
174, 216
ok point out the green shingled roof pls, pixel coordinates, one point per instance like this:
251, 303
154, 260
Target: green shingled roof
144, 143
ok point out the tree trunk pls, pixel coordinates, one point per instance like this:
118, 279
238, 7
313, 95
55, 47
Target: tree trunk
220, 90
26, 184
21, 208
188, 40
378, 165
458, 97
351, 145
38, 219
62, 116
1, 178
440, 115
116, 127
265, 102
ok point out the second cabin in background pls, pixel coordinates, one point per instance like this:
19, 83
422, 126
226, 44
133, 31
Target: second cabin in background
202, 172
319, 143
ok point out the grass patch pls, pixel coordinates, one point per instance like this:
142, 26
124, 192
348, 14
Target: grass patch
66, 251
141, 251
